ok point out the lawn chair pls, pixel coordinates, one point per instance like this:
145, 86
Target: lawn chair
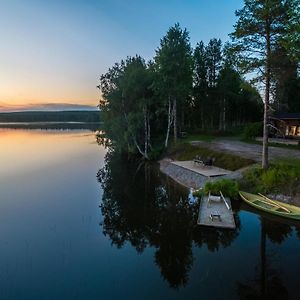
209, 161
198, 160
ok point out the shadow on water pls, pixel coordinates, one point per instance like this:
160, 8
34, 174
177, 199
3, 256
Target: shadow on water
143, 207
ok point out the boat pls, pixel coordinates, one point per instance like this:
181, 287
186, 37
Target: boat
271, 206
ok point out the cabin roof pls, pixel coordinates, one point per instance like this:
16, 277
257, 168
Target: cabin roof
286, 116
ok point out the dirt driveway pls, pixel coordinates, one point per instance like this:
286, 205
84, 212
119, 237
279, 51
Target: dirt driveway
252, 151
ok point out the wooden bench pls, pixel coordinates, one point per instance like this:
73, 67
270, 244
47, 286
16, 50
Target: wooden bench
198, 160
208, 161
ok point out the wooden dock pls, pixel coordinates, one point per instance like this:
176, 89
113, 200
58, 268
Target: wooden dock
208, 171
216, 213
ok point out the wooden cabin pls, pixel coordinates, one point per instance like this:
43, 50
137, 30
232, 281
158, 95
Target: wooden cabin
287, 125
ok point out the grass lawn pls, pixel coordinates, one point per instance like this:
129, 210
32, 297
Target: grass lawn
186, 151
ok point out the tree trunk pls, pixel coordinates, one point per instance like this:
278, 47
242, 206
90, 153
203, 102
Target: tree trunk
221, 125
149, 131
182, 121
221, 116
145, 132
224, 114
175, 120
202, 118
145, 155
169, 124
265, 158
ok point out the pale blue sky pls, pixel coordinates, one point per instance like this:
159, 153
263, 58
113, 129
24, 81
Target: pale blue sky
54, 51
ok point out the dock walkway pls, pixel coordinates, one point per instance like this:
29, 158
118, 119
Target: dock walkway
209, 211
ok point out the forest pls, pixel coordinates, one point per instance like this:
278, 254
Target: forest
211, 87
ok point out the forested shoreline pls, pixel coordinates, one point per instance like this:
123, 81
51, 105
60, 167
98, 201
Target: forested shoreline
50, 116
209, 87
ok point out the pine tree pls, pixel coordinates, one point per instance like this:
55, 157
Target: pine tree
260, 28
174, 68
200, 85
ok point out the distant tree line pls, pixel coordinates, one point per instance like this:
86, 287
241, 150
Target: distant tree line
51, 116
182, 89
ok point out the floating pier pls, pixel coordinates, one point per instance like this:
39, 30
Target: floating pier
216, 211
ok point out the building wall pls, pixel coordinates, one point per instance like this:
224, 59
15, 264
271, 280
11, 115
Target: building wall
288, 128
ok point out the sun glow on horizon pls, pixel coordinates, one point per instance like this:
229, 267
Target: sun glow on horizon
55, 51
32, 93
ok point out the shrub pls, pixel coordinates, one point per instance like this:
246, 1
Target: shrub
156, 152
252, 130
229, 188
252, 180
280, 178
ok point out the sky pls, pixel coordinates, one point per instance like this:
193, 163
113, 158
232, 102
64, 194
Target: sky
54, 51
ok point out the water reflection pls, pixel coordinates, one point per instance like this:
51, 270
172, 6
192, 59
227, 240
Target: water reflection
268, 282
143, 207
298, 231
277, 229
277, 232
214, 238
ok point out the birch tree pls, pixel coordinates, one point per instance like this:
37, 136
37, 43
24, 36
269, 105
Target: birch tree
125, 109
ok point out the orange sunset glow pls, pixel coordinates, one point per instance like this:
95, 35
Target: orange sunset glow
55, 51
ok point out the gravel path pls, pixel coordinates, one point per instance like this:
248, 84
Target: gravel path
252, 151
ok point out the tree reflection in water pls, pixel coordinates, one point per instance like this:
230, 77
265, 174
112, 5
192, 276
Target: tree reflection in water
143, 207
268, 283
298, 231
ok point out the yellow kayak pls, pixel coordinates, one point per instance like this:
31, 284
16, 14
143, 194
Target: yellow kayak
271, 206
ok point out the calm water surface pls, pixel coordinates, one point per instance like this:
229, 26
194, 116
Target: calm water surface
77, 223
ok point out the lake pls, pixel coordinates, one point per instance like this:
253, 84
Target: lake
80, 223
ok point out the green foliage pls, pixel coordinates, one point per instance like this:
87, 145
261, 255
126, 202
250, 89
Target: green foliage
229, 188
252, 130
174, 81
213, 60
156, 152
258, 21
180, 90
291, 40
126, 105
282, 177
173, 63
220, 88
